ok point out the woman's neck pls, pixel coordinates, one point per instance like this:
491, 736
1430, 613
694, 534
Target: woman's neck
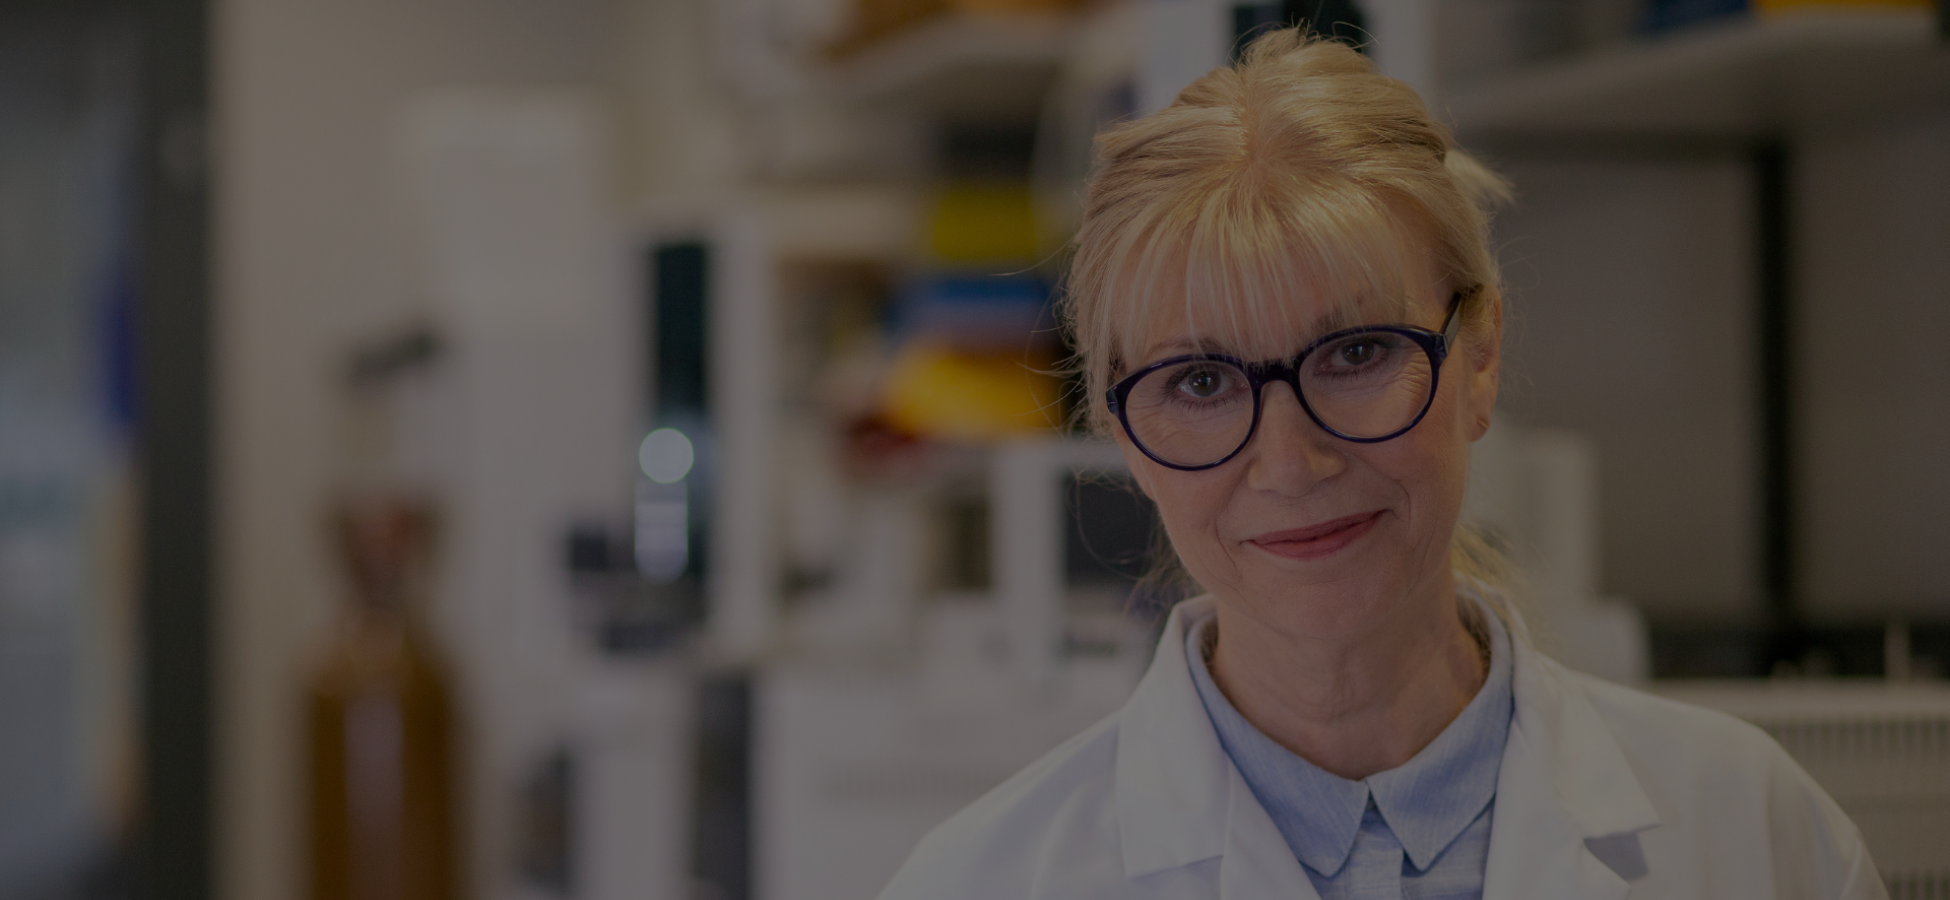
1352, 708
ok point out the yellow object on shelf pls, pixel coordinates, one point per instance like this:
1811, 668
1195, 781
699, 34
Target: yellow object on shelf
1013, 6
983, 223
937, 392
1773, 7
876, 20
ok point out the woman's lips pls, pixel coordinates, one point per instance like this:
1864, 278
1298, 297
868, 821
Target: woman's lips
1317, 541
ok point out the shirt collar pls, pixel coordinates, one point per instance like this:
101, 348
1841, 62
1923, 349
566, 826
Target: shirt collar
1430, 799
1427, 802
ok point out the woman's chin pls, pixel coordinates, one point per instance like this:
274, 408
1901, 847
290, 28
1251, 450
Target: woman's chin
1276, 599
1328, 599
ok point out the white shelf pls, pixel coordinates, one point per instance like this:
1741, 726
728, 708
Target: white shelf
962, 65
1735, 79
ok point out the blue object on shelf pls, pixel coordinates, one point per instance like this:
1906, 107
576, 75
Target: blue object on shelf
1002, 311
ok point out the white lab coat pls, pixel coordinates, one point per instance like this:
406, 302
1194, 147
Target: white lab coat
1604, 792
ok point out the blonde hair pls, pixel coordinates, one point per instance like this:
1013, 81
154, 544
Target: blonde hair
1298, 167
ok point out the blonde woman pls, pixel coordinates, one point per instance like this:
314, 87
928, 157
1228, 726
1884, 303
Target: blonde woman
1289, 318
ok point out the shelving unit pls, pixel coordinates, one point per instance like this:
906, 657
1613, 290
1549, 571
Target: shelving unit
961, 66
1736, 79
889, 688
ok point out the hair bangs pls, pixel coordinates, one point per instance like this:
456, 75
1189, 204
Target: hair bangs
1256, 274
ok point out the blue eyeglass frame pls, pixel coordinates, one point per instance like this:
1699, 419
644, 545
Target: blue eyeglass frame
1260, 374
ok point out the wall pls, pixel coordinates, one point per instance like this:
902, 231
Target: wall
1874, 249
1630, 298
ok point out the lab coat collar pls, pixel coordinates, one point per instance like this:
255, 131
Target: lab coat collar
1587, 769
1564, 780
1258, 862
1180, 800
1174, 781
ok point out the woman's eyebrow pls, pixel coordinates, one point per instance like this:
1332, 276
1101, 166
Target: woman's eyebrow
1336, 319
1176, 346
1326, 323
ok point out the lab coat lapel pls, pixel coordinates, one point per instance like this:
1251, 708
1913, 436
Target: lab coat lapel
1258, 864
1564, 780
1180, 800
1173, 778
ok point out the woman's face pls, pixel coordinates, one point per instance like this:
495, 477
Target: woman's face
1313, 536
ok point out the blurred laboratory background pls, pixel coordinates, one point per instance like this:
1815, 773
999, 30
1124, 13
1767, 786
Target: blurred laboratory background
615, 449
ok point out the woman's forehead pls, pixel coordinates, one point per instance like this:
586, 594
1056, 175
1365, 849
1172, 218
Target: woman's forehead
1270, 328
1270, 318
1265, 279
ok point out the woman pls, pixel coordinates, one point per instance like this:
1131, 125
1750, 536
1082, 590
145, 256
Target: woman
1289, 319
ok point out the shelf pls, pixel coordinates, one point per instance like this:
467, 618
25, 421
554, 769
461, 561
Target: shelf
1733, 80
962, 66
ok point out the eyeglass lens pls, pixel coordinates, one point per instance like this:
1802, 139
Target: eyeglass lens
1366, 385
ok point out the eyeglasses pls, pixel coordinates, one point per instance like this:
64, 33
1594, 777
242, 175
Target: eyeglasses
1367, 385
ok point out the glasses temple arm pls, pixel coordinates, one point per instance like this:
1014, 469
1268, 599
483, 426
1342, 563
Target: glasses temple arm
1452, 324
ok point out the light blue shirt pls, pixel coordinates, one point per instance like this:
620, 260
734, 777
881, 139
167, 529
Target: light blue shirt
1419, 831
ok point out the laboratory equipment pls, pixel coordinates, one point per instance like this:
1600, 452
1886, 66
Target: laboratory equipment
381, 722
1533, 495
855, 760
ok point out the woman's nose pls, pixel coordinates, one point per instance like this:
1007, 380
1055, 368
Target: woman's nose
1290, 454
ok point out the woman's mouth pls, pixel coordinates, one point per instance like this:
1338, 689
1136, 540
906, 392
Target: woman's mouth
1317, 541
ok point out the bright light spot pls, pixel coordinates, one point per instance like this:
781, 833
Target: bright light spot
666, 456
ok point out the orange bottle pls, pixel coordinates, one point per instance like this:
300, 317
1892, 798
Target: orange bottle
381, 723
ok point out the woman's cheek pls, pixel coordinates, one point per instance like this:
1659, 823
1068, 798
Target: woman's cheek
1192, 512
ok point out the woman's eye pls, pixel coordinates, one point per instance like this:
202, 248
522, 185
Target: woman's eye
1204, 383
1359, 353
